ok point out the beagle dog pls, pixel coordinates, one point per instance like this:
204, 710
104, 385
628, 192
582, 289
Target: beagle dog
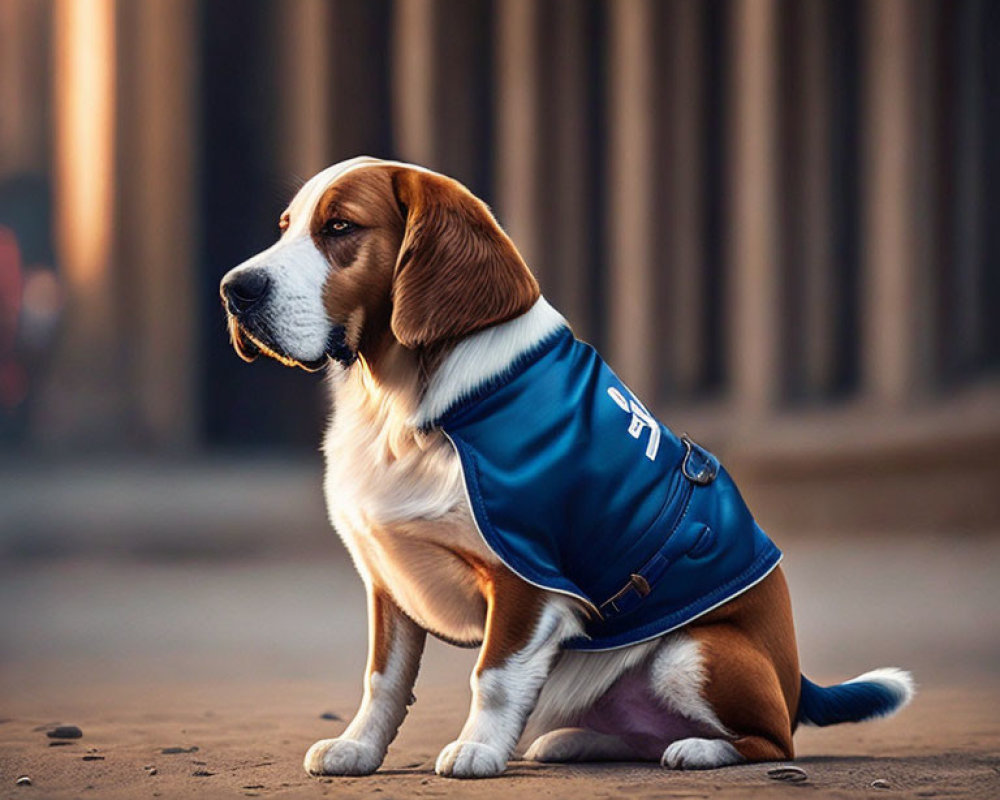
497, 486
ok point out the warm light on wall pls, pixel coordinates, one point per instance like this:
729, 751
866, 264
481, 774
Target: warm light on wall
84, 59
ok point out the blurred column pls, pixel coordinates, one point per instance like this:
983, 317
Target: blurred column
753, 288
24, 96
158, 216
968, 211
812, 255
630, 212
572, 150
413, 64
684, 343
82, 400
518, 136
890, 292
306, 85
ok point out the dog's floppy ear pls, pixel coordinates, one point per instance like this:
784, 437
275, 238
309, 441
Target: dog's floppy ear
457, 271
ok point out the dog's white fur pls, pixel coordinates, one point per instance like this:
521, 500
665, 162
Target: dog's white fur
479, 357
503, 697
395, 494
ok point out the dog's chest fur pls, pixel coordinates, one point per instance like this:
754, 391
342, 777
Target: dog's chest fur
396, 497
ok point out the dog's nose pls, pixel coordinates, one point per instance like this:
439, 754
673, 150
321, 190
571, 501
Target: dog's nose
244, 291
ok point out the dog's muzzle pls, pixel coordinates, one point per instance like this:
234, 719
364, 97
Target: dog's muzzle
243, 297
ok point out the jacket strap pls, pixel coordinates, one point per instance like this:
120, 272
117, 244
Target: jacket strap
701, 468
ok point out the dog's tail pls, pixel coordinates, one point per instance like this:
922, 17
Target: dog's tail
878, 693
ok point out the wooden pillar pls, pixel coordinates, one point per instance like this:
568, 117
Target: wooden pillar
518, 136
890, 291
683, 257
968, 213
573, 154
24, 129
158, 224
307, 82
81, 401
753, 286
812, 256
413, 64
630, 212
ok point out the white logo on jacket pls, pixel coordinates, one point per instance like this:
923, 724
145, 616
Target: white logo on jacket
641, 418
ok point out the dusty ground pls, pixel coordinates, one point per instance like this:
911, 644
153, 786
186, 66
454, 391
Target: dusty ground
240, 660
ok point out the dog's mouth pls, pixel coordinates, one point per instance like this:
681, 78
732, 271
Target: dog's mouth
338, 348
244, 345
249, 342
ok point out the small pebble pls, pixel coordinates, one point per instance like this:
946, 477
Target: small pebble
60, 743
790, 774
148, 766
880, 784
151, 771
202, 773
331, 716
64, 732
93, 758
24, 780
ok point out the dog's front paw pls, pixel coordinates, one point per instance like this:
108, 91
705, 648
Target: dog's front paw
342, 757
470, 760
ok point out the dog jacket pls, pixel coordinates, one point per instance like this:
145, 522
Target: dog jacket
579, 490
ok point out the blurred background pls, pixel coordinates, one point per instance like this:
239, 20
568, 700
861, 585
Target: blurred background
777, 220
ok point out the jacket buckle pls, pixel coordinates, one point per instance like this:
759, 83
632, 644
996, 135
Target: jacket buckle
699, 466
639, 583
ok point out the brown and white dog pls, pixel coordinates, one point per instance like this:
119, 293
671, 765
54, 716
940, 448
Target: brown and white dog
402, 282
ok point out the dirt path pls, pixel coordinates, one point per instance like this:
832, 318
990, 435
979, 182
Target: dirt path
250, 739
240, 660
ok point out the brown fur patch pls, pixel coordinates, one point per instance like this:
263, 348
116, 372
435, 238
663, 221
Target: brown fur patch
514, 608
389, 629
442, 271
358, 290
457, 271
751, 661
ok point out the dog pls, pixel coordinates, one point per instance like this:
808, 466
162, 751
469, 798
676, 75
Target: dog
497, 486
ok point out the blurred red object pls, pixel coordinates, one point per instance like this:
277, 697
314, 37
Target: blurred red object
13, 379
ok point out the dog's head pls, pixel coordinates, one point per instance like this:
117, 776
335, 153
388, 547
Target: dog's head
374, 252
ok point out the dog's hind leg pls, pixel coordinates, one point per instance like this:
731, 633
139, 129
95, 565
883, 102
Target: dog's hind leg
746, 654
742, 690
579, 744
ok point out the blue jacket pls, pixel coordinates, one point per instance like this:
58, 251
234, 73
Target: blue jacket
579, 490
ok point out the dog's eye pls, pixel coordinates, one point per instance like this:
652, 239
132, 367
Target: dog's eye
337, 227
